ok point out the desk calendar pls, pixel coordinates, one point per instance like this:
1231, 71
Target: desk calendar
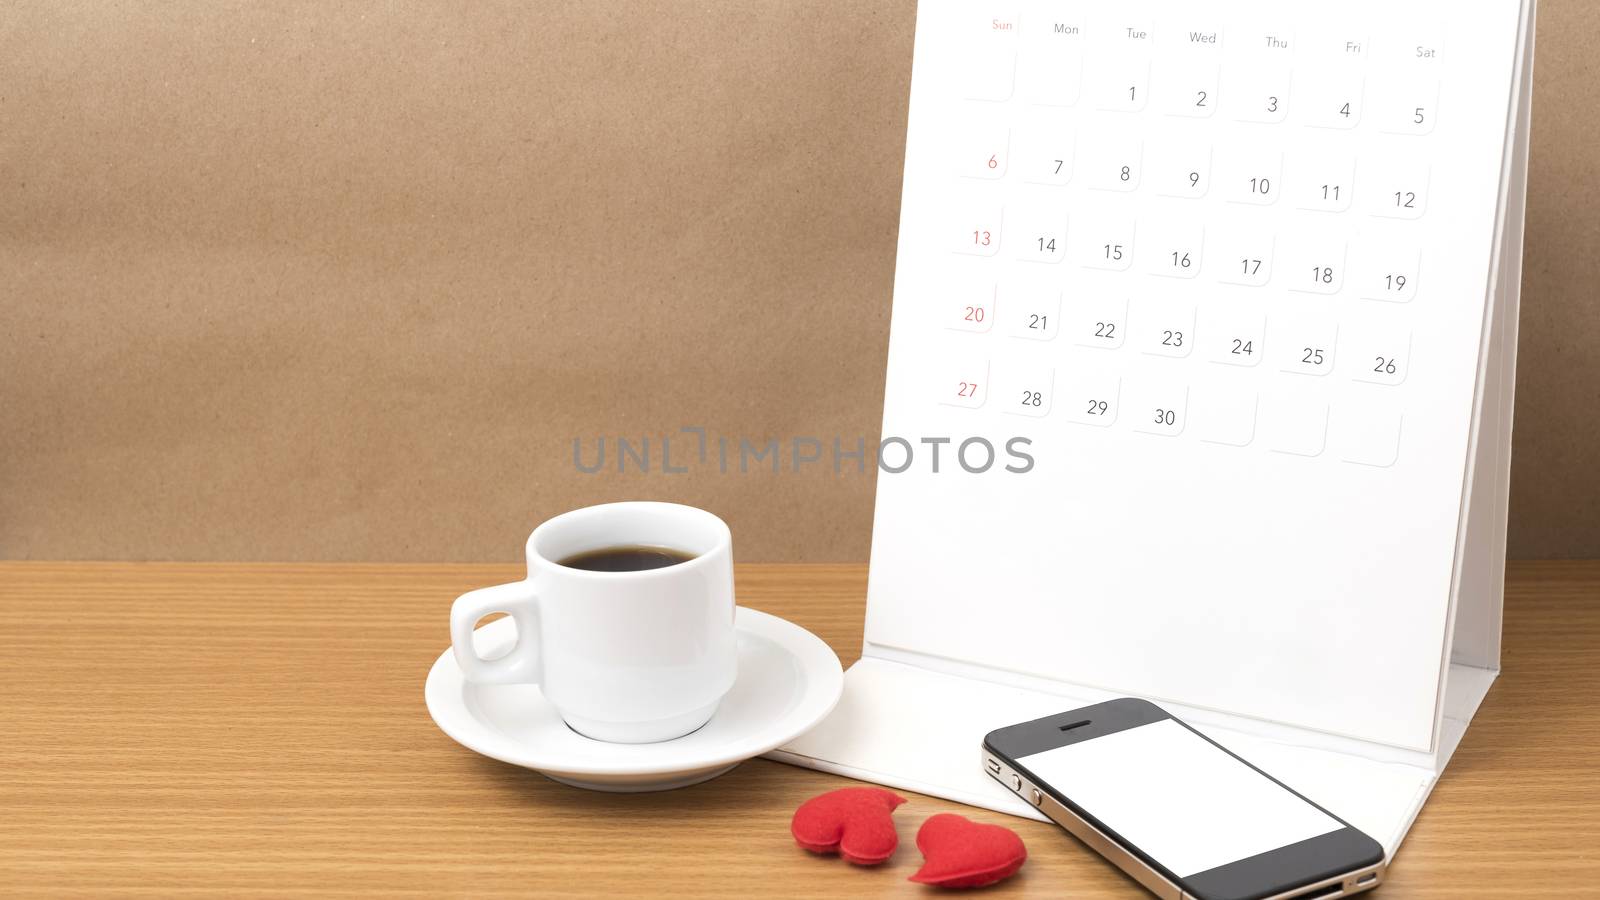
1246, 276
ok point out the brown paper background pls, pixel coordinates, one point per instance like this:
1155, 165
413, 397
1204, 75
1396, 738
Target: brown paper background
344, 281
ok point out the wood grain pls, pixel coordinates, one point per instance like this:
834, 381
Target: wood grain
172, 730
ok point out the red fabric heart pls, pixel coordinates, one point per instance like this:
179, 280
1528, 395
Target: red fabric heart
960, 853
857, 823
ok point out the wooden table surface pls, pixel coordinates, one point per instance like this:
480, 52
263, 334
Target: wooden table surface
170, 730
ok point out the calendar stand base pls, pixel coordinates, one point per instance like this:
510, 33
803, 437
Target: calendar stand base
914, 728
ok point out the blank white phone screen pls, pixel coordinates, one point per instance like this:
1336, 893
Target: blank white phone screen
1177, 797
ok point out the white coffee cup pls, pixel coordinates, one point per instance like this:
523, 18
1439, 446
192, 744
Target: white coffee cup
629, 657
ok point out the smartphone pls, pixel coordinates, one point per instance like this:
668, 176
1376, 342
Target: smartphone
1177, 811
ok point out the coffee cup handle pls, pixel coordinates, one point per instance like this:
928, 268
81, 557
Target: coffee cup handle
519, 665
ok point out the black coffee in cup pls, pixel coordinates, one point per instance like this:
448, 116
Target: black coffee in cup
630, 558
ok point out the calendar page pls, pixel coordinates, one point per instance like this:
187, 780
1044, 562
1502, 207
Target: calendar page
1224, 268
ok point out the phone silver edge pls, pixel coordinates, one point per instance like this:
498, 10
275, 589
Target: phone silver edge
1354, 882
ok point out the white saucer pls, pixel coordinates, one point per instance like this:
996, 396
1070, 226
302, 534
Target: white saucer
789, 680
